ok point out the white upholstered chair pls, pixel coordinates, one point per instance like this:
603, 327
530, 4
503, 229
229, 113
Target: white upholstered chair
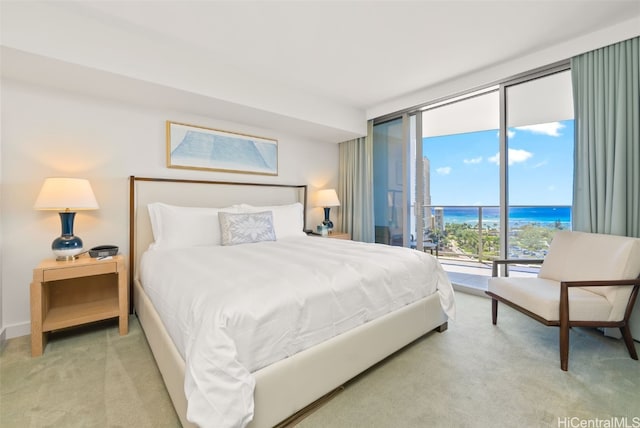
586, 280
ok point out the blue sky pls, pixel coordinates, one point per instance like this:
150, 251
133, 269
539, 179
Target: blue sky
465, 169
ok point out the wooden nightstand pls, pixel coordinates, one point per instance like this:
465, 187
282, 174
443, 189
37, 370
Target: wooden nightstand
67, 294
339, 236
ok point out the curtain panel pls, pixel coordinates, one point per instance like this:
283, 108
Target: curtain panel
606, 90
355, 187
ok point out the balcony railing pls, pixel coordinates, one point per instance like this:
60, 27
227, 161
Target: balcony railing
471, 232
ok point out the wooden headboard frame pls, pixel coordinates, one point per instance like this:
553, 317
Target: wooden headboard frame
195, 193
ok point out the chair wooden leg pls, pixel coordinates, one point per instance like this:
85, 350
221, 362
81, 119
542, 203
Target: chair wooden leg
628, 340
564, 327
494, 311
564, 348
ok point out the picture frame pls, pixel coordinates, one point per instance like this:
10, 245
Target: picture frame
200, 148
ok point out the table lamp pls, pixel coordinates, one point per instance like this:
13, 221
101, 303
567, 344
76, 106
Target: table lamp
326, 199
66, 195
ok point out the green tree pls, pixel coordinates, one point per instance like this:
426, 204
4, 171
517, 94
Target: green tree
533, 237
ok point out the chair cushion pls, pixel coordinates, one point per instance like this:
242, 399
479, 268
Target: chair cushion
576, 256
542, 297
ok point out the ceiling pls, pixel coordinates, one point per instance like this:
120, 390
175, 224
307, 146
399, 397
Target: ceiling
354, 55
363, 53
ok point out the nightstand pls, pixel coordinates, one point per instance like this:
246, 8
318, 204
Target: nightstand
339, 236
70, 293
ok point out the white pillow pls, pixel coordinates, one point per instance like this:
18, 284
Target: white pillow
183, 227
288, 220
246, 228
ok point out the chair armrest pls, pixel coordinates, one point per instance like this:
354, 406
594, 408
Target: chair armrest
601, 283
564, 294
494, 268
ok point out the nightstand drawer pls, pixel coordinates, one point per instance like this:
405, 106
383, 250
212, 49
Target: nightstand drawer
79, 271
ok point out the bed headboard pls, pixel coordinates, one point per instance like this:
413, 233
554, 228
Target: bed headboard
195, 193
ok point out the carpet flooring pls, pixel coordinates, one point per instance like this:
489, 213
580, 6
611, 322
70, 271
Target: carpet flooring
87, 377
472, 375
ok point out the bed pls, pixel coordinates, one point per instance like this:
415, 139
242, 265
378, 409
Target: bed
271, 386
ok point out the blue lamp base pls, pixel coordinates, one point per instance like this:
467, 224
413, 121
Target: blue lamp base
327, 222
67, 246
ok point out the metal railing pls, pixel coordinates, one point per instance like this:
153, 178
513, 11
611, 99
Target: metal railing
472, 232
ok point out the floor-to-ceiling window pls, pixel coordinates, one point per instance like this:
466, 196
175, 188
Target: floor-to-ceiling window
539, 162
459, 140
390, 179
490, 175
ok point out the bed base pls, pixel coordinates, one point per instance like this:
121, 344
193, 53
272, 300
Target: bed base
285, 387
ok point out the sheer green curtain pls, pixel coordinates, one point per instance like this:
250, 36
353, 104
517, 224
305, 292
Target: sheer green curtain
355, 187
606, 197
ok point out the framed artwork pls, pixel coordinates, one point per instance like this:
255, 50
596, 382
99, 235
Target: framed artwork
196, 147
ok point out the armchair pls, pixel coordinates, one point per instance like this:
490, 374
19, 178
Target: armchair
586, 280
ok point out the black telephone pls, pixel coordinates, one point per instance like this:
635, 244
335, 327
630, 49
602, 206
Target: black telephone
103, 251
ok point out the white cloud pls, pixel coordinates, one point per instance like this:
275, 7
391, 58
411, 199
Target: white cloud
445, 170
515, 156
473, 160
539, 164
518, 155
510, 133
552, 129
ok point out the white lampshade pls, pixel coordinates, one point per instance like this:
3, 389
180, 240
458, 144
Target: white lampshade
66, 195
327, 198
62, 194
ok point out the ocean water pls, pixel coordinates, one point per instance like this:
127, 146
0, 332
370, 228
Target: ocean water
518, 216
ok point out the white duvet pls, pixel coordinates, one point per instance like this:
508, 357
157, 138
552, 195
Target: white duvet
235, 309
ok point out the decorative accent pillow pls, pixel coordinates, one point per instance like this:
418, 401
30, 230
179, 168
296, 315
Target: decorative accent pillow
246, 228
288, 220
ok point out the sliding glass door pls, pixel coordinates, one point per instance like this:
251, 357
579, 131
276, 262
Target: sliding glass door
390, 182
539, 163
481, 176
461, 198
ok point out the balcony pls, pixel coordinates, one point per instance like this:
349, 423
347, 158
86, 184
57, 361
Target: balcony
466, 239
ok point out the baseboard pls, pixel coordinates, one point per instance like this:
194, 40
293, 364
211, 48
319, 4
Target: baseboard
3, 339
17, 330
611, 332
469, 289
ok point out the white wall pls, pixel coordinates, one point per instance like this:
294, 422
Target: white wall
49, 132
52, 29
2, 329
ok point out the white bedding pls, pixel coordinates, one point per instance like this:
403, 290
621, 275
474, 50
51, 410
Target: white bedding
232, 310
